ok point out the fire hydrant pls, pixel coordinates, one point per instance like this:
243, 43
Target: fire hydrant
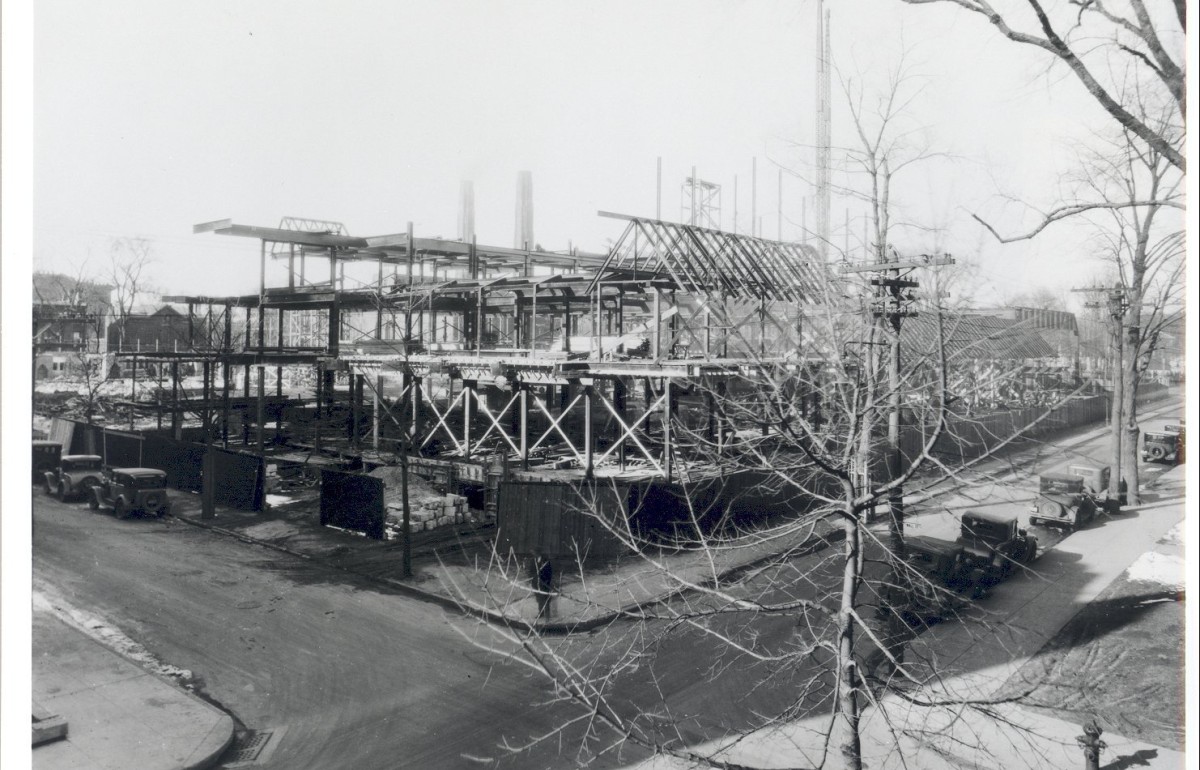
1091, 744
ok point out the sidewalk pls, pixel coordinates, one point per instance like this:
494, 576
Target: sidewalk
974, 659
119, 716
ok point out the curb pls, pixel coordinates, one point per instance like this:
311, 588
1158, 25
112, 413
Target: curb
215, 742
214, 755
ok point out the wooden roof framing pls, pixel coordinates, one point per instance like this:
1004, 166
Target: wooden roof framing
703, 261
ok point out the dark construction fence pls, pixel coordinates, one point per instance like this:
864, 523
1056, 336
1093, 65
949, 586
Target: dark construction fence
238, 476
562, 520
967, 437
352, 501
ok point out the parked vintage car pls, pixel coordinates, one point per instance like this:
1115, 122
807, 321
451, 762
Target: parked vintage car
1096, 482
74, 476
1066, 500
46, 455
1164, 446
130, 490
940, 579
989, 547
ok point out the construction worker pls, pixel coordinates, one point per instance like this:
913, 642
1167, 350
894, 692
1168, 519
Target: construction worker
542, 579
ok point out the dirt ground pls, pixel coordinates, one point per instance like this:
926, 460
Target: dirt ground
1120, 660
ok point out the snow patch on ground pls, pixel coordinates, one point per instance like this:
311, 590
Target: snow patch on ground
110, 636
1175, 536
1154, 567
275, 501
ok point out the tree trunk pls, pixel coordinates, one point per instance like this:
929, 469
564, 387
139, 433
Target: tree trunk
1116, 413
1130, 374
847, 666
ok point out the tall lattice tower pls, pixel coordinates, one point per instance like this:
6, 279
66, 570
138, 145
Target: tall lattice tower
700, 203
822, 214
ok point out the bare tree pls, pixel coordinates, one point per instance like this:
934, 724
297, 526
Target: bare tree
1144, 247
128, 259
820, 625
1127, 54
803, 633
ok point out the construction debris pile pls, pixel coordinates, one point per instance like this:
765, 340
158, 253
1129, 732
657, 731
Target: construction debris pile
430, 509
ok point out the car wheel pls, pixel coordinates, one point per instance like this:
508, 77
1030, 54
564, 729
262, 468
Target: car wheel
1030, 551
48, 489
93, 503
1157, 453
119, 509
62, 491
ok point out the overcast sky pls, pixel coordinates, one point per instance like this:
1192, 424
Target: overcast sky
151, 117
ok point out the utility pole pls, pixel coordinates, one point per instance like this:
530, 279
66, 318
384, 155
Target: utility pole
1116, 303
892, 303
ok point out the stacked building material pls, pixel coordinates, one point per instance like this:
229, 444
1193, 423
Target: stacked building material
428, 513
429, 507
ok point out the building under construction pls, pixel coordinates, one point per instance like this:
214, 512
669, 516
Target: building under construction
489, 365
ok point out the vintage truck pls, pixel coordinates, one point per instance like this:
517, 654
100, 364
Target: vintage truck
1165, 446
46, 455
1072, 499
130, 490
989, 547
74, 476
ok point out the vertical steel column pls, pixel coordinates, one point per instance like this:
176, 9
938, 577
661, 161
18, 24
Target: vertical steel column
262, 288
375, 411
291, 265
596, 331
518, 338
587, 431
468, 394
619, 397
523, 405
132, 389
479, 320
225, 403
206, 394
379, 310
533, 319
279, 407
414, 396
666, 429
411, 249
566, 325
176, 428
707, 332
656, 311
355, 408
320, 387
261, 416
158, 395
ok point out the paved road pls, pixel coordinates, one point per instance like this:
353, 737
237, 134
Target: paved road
357, 677
360, 677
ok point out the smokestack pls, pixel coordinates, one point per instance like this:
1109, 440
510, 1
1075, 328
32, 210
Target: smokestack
466, 211
524, 230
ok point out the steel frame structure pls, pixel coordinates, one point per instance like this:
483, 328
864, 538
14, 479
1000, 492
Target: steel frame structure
539, 356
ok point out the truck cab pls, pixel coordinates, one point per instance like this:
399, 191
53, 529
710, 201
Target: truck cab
74, 475
132, 490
